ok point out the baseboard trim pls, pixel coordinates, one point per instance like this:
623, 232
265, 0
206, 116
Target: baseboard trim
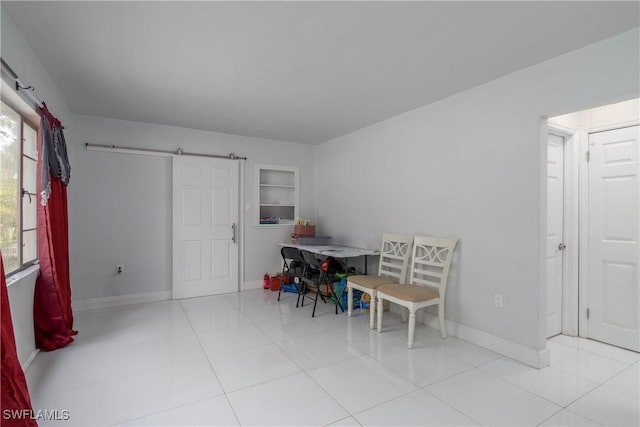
252, 284
119, 300
536, 358
32, 356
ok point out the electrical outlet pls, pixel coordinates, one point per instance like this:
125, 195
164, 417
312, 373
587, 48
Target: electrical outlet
119, 269
497, 300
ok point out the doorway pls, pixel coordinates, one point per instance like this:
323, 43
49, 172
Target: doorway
593, 211
555, 232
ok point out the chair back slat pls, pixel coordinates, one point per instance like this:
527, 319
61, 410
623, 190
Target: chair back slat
428, 283
419, 272
393, 270
428, 263
394, 255
395, 258
431, 261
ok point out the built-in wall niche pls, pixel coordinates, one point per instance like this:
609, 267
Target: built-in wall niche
277, 194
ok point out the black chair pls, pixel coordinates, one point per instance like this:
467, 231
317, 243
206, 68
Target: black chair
320, 279
292, 268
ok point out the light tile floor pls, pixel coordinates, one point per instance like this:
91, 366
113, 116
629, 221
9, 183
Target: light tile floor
247, 359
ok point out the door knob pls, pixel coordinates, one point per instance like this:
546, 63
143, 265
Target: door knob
562, 247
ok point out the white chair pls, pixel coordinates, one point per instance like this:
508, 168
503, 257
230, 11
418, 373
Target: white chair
394, 259
428, 283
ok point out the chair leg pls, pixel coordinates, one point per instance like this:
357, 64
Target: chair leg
404, 314
412, 327
301, 296
380, 311
349, 300
300, 289
443, 326
315, 303
338, 304
372, 310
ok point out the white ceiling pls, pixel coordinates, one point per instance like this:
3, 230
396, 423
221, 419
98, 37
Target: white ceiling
294, 71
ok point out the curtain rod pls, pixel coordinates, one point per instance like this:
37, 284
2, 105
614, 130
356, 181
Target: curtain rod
28, 90
9, 69
178, 152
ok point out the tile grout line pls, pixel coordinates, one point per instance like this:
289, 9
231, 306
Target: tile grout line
302, 371
210, 365
118, 378
536, 394
499, 379
598, 354
451, 406
306, 372
164, 410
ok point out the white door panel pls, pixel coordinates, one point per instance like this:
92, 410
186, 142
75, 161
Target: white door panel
205, 214
555, 232
614, 255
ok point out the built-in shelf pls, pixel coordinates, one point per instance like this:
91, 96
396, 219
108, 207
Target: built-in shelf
277, 194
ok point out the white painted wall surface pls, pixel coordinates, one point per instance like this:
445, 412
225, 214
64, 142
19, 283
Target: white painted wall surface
470, 167
20, 291
122, 203
17, 53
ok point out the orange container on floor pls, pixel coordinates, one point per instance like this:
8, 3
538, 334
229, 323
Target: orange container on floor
275, 282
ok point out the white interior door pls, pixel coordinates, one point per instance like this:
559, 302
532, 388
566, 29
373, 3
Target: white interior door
613, 258
555, 233
205, 218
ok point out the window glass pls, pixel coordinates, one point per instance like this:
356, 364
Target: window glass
30, 142
18, 187
29, 175
9, 186
29, 247
29, 212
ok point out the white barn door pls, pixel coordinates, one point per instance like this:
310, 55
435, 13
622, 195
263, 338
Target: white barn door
614, 253
555, 233
205, 218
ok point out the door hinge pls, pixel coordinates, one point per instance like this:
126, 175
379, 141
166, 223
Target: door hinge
588, 155
588, 312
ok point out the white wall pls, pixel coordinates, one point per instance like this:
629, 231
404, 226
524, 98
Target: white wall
121, 203
17, 53
471, 167
20, 291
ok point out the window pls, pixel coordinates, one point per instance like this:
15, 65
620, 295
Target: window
18, 208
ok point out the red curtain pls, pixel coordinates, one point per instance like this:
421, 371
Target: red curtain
53, 318
15, 402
